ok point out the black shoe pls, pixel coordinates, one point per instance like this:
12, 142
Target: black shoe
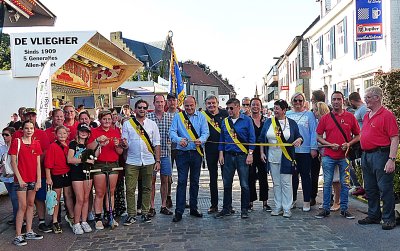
244, 215
196, 213
322, 214
44, 228
129, 221
177, 217
151, 213
388, 225
146, 218
347, 215
165, 211
220, 215
267, 208
187, 205
169, 202
313, 202
212, 210
367, 220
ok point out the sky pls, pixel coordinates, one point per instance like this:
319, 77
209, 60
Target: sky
235, 37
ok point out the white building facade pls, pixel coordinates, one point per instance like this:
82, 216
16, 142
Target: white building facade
338, 61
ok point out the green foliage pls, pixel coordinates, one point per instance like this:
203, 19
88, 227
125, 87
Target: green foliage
390, 84
5, 53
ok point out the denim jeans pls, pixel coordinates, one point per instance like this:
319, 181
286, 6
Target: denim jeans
378, 185
212, 164
231, 163
187, 161
328, 167
304, 169
12, 192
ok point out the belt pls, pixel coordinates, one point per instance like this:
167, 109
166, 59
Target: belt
106, 162
185, 151
236, 153
381, 149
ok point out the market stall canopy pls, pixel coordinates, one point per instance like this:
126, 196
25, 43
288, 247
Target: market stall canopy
144, 87
26, 13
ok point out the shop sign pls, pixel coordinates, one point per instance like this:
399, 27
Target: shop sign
73, 74
284, 87
369, 20
305, 72
30, 51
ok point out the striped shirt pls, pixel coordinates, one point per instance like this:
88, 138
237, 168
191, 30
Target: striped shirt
163, 125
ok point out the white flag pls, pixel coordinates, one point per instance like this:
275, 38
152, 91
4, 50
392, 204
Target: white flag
44, 99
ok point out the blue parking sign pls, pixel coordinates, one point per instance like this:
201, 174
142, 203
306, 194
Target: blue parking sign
369, 20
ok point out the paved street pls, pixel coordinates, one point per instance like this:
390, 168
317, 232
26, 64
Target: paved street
260, 232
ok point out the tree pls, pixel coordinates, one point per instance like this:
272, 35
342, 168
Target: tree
5, 53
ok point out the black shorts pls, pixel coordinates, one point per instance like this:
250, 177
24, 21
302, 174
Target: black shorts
77, 174
60, 181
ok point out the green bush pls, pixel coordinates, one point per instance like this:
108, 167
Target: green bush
390, 84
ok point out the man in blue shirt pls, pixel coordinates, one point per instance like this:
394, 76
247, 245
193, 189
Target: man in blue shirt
190, 131
236, 129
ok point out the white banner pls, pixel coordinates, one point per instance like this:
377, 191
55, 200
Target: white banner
30, 51
44, 97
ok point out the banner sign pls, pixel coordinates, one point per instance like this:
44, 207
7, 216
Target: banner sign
284, 87
31, 51
369, 20
44, 99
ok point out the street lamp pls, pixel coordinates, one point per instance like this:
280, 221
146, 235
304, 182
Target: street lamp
149, 73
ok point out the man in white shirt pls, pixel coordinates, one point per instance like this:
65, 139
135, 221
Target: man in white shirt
143, 140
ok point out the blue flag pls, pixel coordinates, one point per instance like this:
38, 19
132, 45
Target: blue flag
177, 87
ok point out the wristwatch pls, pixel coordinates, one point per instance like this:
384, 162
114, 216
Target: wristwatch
392, 159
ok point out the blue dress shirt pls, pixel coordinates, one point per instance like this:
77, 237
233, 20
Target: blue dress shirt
178, 130
243, 128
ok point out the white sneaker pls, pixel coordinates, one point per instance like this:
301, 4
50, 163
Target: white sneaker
306, 207
86, 227
99, 225
276, 212
287, 214
77, 229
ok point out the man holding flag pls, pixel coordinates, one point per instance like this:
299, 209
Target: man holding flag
190, 131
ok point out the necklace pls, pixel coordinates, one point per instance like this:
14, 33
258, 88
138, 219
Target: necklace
284, 125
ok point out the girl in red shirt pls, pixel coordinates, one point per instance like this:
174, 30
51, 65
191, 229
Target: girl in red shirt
57, 175
25, 161
108, 140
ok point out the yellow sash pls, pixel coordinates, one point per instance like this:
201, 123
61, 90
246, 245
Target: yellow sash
284, 151
211, 122
142, 136
233, 137
190, 132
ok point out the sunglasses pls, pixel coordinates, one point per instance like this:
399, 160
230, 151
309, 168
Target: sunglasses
245, 104
6, 135
297, 100
142, 107
230, 108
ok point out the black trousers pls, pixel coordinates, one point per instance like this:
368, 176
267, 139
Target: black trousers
315, 169
212, 164
257, 171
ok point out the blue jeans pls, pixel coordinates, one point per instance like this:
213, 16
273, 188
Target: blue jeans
187, 161
378, 185
12, 192
328, 167
233, 162
303, 161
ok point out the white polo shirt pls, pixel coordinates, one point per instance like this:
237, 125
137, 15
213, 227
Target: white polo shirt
138, 153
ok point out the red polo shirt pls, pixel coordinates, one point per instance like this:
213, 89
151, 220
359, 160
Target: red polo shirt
56, 159
27, 159
333, 135
108, 153
72, 130
38, 135
378, 130
51, 134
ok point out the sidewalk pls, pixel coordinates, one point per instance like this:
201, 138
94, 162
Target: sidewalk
260, 232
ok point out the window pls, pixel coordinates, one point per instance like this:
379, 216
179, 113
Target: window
340, 39
196, 94
364, 49
318, 52
368, 83
204, 95
327, 46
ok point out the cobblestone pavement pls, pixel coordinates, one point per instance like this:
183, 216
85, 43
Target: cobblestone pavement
260, 232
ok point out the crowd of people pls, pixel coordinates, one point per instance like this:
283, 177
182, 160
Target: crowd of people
79, 159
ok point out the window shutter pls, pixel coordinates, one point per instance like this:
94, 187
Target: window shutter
312, 57
373, 46
321, 49
345, 34
355, 50
332, 38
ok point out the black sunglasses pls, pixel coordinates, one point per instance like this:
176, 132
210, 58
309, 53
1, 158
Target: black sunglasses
5, 134
297, 100
230, 108
245, 104
142, 107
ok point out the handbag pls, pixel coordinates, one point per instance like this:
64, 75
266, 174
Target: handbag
355, 150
